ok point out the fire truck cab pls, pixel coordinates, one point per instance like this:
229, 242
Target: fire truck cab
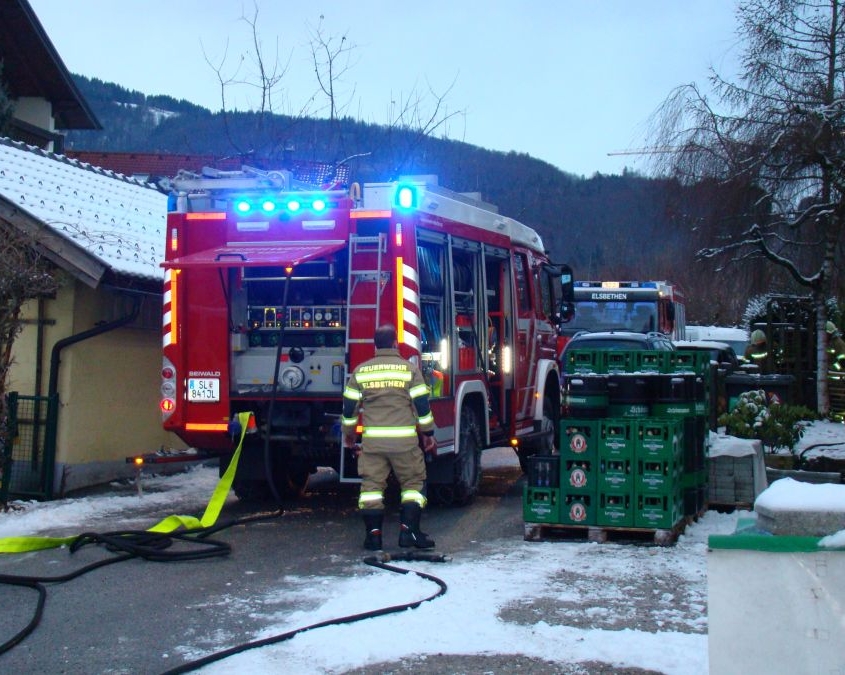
636, 306
273, 292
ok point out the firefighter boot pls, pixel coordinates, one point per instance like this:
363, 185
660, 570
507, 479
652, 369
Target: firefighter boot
373, 519
409, 527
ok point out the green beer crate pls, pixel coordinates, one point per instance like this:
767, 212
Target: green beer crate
692, 479
653, 361
579, 439
586, 396
578, 508
615, 477
584, 361
615, 510
657, 511
690, 361
543, 471
659, 439
619, 361
657, 476
540, 505
579, 476
617, 438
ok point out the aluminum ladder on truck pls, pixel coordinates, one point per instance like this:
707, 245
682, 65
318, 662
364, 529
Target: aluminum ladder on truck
367, 280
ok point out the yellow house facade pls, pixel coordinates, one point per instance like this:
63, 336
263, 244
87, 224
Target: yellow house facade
95, 346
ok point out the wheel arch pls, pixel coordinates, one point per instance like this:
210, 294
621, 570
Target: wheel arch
473, 393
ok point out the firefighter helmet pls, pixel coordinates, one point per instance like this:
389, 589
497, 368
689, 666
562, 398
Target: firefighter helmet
758, 337
830, 328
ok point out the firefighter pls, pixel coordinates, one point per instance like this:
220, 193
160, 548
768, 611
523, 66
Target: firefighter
757, 351
393, 397
835, 347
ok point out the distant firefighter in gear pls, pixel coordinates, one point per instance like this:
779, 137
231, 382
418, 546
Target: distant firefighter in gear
757, 351
393, 398
835, 347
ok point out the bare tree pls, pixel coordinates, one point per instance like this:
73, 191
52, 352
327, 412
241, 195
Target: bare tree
261, 75
777, 133
24, 276
415, 116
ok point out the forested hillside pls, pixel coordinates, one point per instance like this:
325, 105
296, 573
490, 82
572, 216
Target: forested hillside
605, 226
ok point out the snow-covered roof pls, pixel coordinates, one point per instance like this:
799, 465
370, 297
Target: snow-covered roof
119, 221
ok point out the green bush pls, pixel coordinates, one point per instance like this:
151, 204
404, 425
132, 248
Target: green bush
776, 425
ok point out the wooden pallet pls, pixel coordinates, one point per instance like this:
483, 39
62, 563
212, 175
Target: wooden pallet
601, 535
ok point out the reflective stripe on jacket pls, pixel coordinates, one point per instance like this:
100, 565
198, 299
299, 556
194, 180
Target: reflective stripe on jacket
391, 394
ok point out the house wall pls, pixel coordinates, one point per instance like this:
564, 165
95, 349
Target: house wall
36, 111
108, 384
58, 322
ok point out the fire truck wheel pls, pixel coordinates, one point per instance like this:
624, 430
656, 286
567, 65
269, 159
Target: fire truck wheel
290, 478
298, 473
546, 445
252, 491
468, 458
549, 423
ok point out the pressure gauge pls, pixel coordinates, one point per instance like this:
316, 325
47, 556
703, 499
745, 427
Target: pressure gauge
292, 378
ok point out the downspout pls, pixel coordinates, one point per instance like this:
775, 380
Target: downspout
53, 386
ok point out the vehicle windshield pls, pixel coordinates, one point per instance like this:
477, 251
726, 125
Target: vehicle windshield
638, 317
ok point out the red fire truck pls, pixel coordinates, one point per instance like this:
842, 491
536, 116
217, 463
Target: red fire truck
274, 289
638, 306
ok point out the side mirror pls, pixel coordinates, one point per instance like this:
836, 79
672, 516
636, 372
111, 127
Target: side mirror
567, 284
567, 311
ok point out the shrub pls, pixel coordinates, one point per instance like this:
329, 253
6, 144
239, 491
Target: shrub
776, 425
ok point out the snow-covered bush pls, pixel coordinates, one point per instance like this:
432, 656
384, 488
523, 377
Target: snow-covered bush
775, 424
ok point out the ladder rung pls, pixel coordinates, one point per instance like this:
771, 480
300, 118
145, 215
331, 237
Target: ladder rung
366, 240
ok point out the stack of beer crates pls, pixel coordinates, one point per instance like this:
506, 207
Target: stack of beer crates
632, 442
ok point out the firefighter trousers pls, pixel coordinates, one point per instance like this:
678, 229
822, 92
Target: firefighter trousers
375, 465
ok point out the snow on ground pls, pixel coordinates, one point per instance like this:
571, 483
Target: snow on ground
582, 594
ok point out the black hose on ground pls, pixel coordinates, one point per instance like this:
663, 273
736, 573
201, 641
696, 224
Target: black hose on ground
813, 447
144, 544
382, 562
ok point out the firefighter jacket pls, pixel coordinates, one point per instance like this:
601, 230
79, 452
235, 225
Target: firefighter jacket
836, 349
393, 398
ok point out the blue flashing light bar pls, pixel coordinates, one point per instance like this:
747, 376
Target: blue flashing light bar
274, 205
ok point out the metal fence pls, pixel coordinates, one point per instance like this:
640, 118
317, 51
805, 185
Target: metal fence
27, 461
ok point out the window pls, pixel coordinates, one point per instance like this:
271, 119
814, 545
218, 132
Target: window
434, 361
523, 290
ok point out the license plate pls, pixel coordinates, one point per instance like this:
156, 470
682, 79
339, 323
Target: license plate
203, 389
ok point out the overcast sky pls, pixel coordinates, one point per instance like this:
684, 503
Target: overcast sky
566, 81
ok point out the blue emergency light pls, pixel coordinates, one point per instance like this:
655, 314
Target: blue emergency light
271, 205
406, 197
